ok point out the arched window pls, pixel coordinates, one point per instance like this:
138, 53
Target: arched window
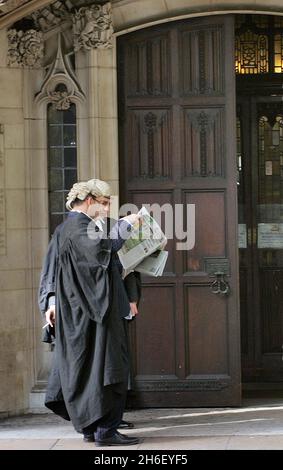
62, 159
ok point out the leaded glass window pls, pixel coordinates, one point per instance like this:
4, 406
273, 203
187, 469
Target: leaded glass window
270, 141
239, 152
62, 161
240, 173
259, 44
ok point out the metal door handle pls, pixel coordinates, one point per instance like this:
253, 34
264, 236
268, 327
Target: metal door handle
219, 285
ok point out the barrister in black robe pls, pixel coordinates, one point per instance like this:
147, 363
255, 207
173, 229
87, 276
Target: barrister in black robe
54, 397
105, 306
91, 339
92, 367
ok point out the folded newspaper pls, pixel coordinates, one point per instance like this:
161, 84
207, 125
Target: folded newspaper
143, 251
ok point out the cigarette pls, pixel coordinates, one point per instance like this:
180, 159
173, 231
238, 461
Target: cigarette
45, 325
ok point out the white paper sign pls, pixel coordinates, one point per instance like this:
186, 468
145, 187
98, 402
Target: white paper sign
268, 168
242, 236
270, 236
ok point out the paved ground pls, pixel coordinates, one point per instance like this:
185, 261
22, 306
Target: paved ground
258, 424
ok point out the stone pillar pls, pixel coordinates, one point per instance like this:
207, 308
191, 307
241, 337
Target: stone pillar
15, 272
97, 73
103, 115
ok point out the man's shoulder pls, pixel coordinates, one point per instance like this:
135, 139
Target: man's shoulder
75, 225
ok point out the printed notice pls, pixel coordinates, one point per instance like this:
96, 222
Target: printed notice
242, 236
268, 168
270, 236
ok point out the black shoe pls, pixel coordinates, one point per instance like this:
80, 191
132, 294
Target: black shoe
126, 425
88, 438
117, 439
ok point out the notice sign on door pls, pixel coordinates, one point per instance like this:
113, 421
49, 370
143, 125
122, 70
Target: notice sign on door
268, 168
242, 235
270, 236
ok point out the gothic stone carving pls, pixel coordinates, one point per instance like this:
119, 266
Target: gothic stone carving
60, 86
92, 27
25, 48
61, 99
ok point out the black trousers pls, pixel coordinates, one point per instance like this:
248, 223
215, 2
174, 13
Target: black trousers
108, 424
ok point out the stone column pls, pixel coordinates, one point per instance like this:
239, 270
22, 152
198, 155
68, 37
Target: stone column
15, 272
104, 116
97, 73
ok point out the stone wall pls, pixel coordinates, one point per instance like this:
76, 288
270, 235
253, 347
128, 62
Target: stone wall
15, 272
25, 361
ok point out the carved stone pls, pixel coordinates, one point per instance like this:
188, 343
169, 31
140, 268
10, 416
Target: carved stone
92, 27
2, 195
60, 99
52, 16
60, 86
25, 49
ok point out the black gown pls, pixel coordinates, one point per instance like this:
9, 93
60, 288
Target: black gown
91, 360
47, 283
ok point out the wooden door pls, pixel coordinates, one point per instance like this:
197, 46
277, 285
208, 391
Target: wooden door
260, 127
178, 145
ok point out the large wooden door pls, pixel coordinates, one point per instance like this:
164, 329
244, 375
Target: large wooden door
178, 145
260, 147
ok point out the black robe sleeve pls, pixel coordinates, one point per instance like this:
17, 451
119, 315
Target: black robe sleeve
132, 284
47, 281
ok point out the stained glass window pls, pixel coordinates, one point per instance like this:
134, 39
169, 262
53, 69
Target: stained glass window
258, 44
62, 161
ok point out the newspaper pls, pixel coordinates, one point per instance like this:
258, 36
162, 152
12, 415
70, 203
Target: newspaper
154, 264
142, 251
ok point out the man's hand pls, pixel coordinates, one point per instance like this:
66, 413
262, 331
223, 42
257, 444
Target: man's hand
132, 218
134, 308
50, 315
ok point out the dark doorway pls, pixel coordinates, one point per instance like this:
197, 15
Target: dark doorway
259, 61
177, 137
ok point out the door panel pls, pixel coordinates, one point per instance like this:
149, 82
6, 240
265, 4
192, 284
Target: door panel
202, 52
203, 149
206, 340
210, 213
157, 325
149, 140
177, 146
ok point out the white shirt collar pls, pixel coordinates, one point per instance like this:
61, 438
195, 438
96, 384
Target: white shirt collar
99, 221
